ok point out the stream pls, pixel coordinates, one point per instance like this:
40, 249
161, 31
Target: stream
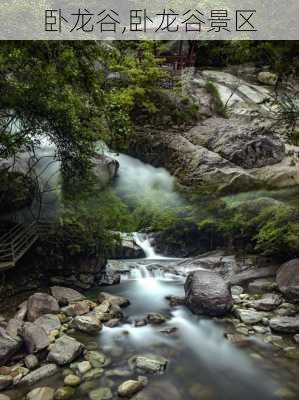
203, 364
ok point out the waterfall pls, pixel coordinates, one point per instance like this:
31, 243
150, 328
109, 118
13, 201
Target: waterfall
144, 243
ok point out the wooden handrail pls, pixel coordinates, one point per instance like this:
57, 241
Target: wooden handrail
15, 243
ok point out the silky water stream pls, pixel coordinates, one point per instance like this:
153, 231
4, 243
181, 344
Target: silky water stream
203, 364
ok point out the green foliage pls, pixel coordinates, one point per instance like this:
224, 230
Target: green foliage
51, 88
280, 56
287, 117
16, 191
219, 107
278, 231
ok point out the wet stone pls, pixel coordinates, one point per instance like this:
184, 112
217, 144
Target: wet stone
41, 393
83, 367
72, 380
103, 393
249, 316
130, 388
93, 374
5, 381
156, 318
97, 359
64, 393
31, 361
149, 363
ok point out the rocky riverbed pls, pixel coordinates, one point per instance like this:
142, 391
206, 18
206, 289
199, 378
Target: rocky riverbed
139, 340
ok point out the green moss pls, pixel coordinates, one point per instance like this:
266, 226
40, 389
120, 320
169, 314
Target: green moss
219, 107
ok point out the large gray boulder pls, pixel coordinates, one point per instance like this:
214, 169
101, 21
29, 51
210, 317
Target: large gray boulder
287, 279
65, 350
207, 293
39, 304
35, 337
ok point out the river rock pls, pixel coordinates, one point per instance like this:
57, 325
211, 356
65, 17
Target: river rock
64, 393
296, 338
285, 324
22, 311
112, 299
72, 380
31, 361
14, 327
151, 363
41, 373
95, 373
35, 337
66, 295
87, 323
41, 393
40, 304
83, 367
8, 346
65, 350
267, 78
268, 302
129, 388
249, 316
103, 393
236, 290
262, 285
287, 279
4, 397
49, 322
80, 308
5, 381
109, 278
156, 318
96, 358
207, 293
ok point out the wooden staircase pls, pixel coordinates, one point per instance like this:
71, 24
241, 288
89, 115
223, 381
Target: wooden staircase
15, 243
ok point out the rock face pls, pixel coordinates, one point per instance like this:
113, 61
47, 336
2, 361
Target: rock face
285, 324
65, 350
8, 346
207, 293
287, 279
232, 154
35, 337
40, 304
127, 248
